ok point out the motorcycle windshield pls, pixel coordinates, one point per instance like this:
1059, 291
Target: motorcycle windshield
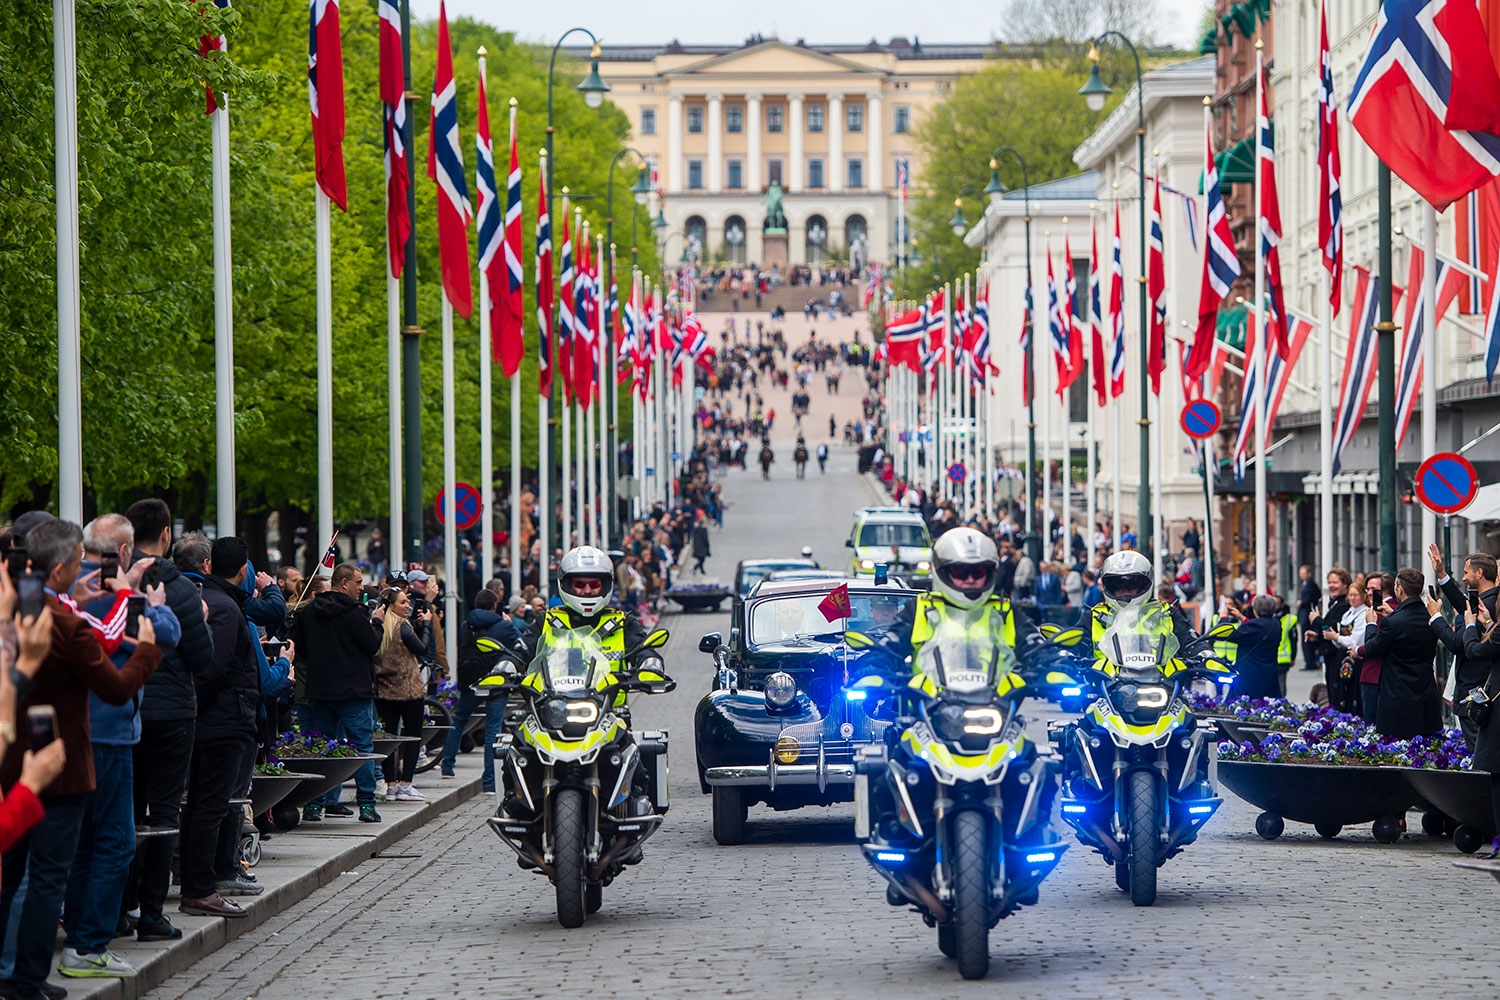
573, 661
1140, 639
961, 657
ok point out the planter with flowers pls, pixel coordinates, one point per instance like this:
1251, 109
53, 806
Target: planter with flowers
272, 782
1440, 775
330, 762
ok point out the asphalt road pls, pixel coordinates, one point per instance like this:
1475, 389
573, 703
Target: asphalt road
797, 913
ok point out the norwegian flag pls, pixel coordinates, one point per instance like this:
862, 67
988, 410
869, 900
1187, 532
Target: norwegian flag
1469, 230
1249, 405
1221, 265
1071, 322
1057, 330
1279, 374
932, 322
1330, 197
1156, 294
904, 338
628, 340
487, 219
1409, 371
1422, 54
583, 329
977, 342
1117, 314
330, 558
1270, 224
397, 165
207, 44
445, 165
1492, 331
1359, 360
513, 309
543, 289
960, 332
325, 92
565, 314
1026, 304
1207, 385
1096, 320
875, 281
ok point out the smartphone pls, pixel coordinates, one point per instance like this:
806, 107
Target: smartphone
1474, 600
109, 568
272, 649
1432, 592
15, 562
41, 723
135, 606
32, 597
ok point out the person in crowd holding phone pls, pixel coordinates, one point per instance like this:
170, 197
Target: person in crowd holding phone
24, 643
1479, 589
1405, 643
1350, 632
106, 841
1343, 694
75, 665
1257, 639
1482, 645
337, 643
398, 686
424, 593
474, 663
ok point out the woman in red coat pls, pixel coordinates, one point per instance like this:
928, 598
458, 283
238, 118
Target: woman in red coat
23, 645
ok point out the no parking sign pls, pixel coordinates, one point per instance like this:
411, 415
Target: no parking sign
1446, 483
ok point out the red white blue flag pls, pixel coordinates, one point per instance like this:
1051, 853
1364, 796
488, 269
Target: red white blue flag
1156, 293
1359, 360
487, 218
1330, 198
325, 91
207, 44
1221, 265
1057, 329
1096, 320
543, 288
1270, 223
1117, 314
566, 305
397, 165
1071, 322
513, 309
445, 165
1409, 371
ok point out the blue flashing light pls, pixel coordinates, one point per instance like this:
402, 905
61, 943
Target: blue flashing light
894, 857
1038, 858
1075, 809
1199, 810
855, 694
1072, 692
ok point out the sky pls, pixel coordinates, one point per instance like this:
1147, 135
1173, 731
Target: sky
828, 21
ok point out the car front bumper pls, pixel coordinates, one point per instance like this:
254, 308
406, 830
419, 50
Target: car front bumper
773, 775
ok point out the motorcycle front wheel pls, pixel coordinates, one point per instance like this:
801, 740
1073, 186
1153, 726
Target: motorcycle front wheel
971, 895
1145, 835
568, 831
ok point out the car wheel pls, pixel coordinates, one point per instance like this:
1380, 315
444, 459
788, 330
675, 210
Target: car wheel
730, 813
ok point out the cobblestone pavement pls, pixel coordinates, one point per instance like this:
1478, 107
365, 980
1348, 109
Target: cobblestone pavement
797, 913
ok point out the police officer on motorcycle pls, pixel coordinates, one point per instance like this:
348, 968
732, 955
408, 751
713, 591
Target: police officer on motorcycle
1125, 582
585, 581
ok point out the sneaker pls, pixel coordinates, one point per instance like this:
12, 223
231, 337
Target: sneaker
238, 887
159, 929
407, 793
105, 964
367, 813
52, 992
126, 926
421, 754
448, 774
312, 813
338, 809
383, 791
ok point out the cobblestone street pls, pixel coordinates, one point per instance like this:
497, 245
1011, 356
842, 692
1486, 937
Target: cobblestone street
797, 913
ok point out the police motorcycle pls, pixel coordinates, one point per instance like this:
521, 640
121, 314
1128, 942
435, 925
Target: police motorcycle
1135, 784
581, 792
954, 808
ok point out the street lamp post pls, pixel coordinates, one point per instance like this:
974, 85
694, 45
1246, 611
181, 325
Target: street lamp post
639, 190
1094, 92
995, 189
593, 89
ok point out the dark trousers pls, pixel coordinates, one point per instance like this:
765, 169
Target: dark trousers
213, 779
43, 857
1369, 700
227, 851
402, 718
106, 848
161, 769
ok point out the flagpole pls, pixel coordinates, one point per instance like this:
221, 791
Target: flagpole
1091, 504
69, 338
396, 534
325, 365
1210, 463
1429, 360
224, 502
1158, 520
543, 432
486, 394
1046, 392
1262, 436
450, 528
515, 434
1325, 430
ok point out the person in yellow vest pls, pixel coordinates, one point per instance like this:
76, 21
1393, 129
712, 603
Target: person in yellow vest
1125, 582
1286, 652
1230, 613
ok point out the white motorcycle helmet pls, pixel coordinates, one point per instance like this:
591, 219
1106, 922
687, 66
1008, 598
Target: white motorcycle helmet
585, 562
964, 549
1126, 579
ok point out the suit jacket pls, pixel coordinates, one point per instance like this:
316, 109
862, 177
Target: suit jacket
1471, 672
1409, 700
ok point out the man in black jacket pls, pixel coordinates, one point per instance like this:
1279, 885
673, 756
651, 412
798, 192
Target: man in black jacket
169, 707
1343, 694
224, 745
484, 622
336, 645
1479, 574
1309, 596
1405, 644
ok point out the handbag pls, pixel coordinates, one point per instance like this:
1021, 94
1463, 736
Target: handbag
1478, 704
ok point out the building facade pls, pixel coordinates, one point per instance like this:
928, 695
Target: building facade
828, 123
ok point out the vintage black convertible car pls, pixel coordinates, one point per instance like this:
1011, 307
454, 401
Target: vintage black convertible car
779, 726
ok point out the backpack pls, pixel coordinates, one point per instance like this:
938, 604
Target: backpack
477, 655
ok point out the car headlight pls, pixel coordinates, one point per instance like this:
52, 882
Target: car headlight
923, 566
867, 564
780, 689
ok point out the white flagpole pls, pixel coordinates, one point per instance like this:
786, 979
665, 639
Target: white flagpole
1158, 519
486, 404
1210, 581
1429, 361
1325, 432
515, 443
225, 499
450, 529
1092, 502
69, 339
543, 461
393, 408
1262, 435
1046, 389
325, 367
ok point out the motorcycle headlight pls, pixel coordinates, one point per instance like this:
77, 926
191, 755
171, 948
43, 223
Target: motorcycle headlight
971, 727
562, 714
1141, 702
780, 689
553, 713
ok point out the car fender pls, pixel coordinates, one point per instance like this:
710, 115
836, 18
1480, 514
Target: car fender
735, 727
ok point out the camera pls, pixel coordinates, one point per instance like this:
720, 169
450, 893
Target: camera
418, 605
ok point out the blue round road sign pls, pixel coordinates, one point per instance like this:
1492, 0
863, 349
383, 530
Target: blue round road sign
957, 472
1200, 419
1446, 483
466, 506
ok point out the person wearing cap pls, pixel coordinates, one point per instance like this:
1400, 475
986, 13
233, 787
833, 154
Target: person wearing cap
420, 585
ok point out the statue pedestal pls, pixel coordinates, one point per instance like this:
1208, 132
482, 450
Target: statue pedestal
775, 252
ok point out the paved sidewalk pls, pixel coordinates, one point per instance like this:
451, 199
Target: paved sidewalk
292, 867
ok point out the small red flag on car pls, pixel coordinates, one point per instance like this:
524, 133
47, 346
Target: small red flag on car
836, 604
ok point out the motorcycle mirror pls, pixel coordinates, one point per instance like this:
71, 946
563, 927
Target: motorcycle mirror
857, 640
1049, 630
657, 639
1223, 630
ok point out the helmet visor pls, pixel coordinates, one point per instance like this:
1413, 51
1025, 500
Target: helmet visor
970, 579
585, 584
1125, 587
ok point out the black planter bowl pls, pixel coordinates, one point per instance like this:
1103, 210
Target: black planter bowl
706, 600
1237, 731
268, 789
1328, 796
387, 745
1463, 795
327, 773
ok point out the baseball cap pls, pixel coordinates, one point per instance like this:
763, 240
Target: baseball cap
417, 576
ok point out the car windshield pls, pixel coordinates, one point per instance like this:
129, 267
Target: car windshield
796, 618
1140, 639
751, 575
573, 660
886, 535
